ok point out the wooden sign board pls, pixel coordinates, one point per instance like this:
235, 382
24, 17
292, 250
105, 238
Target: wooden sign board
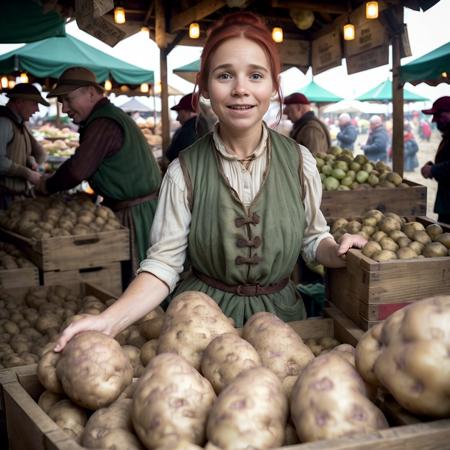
102, 29
326, 52
369, 34
368, 60
295, 53
87, 9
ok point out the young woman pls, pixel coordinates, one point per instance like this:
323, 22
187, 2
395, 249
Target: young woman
243, 200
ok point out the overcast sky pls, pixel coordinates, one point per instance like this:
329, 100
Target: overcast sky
427, 30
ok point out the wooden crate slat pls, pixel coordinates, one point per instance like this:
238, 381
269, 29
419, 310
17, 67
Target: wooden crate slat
108, 276
411, 201
74, 252
25, 276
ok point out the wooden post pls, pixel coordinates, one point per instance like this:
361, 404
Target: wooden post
161, 41
164, 99
397, 105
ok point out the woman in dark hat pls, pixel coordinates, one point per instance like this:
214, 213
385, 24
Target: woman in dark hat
20, 153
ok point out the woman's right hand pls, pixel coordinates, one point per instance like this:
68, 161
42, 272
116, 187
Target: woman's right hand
86, 323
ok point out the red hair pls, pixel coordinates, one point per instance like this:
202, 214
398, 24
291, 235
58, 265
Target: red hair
240, 25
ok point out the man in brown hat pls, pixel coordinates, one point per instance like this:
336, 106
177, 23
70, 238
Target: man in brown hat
307, 130
192, 127
113, 156
20, 153
440, 169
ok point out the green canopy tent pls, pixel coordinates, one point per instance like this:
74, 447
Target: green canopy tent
25, 21
432, 68
189, 71
48, 58
383, 94
317, 94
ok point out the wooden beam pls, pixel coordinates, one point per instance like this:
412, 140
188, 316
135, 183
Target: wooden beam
149, 12
165, 121
325, 7
197, 12
397, 102
160, 24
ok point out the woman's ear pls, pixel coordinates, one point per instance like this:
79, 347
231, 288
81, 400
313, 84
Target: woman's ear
205, 94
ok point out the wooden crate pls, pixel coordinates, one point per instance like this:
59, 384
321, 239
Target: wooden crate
108, 276
20, 390
368, 291
74, 252
410, 201
25, 276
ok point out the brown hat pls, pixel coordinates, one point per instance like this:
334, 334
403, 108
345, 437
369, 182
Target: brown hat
72, 79
188, 103
442, 104
296, 98
27, 91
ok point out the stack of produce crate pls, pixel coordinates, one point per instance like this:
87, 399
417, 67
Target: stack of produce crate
69, 239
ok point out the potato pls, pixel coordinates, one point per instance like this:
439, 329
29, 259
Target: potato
111, 428
251, 412
47, 399
225, 358
148, 351
46, 369
70, 417
409, 356
151, 328
281, 349
191, 322
93, 370
172, 400
329, 400
134, 355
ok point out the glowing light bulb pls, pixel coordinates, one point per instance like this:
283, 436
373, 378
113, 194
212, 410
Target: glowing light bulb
119, 15
277, 34
349, 32
371, 10
194, 30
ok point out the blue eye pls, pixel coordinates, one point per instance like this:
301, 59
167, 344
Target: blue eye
256, 76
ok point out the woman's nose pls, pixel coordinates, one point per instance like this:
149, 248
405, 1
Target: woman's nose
239, 88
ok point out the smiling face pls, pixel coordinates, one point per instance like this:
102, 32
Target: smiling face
240, 85
79, 103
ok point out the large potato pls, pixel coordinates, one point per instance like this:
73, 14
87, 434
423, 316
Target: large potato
225, 358
172, 400
329, 400
281, 349
191, 322
47, 399
93, 369
412, 356
251, 412
111, 428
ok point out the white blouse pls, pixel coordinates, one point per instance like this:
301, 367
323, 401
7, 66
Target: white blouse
170, 230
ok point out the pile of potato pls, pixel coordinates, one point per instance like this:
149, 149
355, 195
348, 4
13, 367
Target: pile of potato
408, 355
12, 258
393, 237
45, 217
341, 171
205, 382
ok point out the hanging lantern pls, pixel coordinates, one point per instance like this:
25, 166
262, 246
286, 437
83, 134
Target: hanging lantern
146, 31
108, 85
144, 88
444, 74
119, 15
277, 34
124, 88
24, 78
302, 18
157, 88
194, 30
4, 82
371, 10
349, 32
11, 84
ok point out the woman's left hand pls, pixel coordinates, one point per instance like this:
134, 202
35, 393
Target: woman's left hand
348, 241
